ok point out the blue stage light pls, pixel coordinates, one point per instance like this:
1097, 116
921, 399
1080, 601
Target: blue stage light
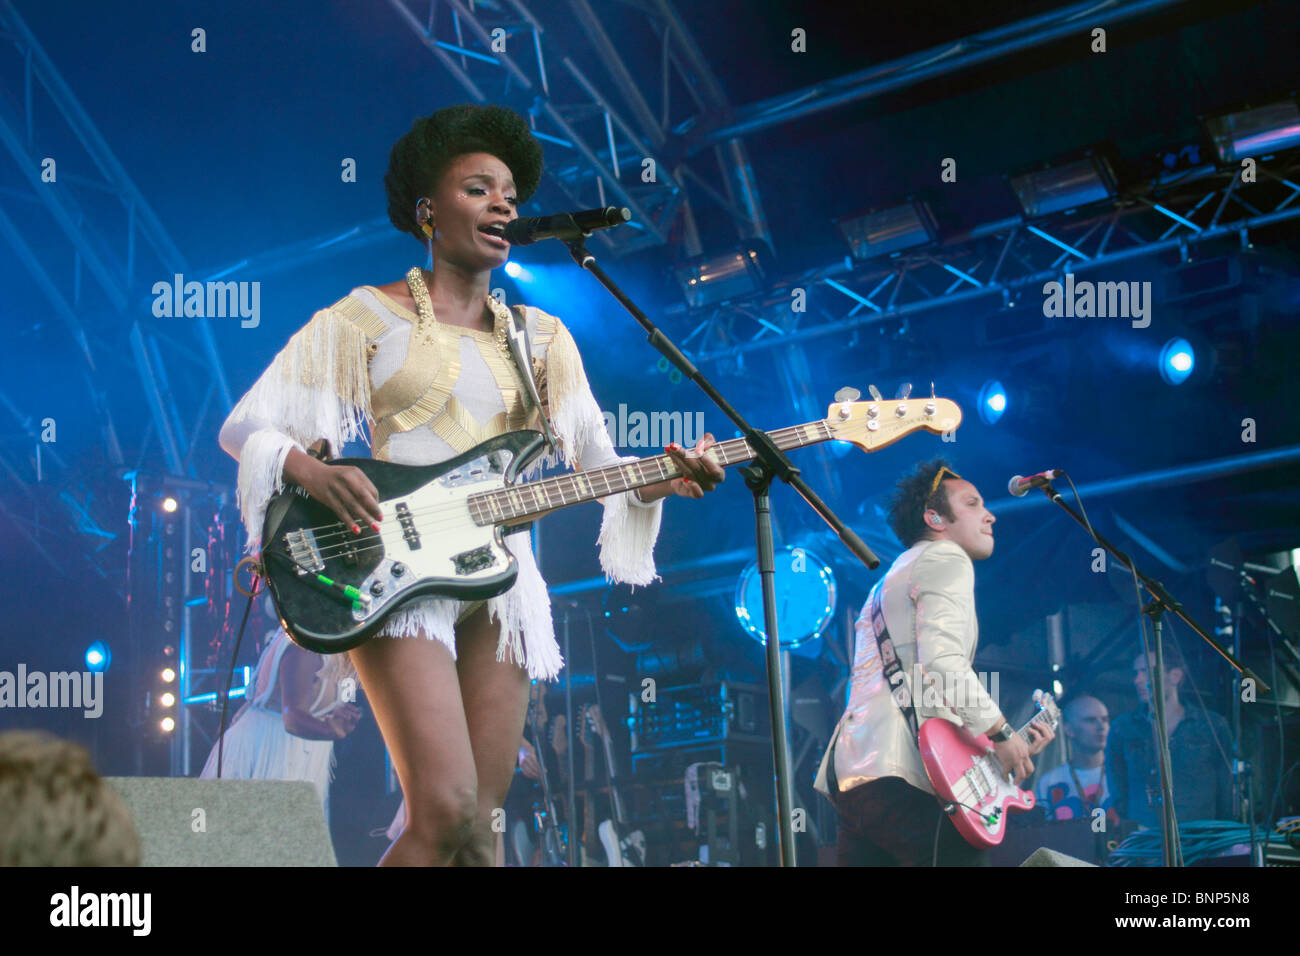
1177, 360
992, 401
513, 270
98, 657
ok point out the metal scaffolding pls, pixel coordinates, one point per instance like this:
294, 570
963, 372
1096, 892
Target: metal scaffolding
608, 140
122, 244
1003, 260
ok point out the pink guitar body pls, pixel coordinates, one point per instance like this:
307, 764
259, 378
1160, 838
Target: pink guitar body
967, 773
964, 770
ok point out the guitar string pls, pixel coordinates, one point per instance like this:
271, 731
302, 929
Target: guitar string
666, 471
557, 480
663, 465
474, 504
557, 483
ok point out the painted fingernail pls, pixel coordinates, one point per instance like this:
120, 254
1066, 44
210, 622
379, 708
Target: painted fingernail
374, 525
356, 530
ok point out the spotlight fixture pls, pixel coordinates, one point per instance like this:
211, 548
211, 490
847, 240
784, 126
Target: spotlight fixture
98, 657
1177, 360
1068, 186
890, 230
992, 401
1255, 132
734, 274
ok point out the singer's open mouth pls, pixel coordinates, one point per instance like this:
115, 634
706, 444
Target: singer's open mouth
494, 239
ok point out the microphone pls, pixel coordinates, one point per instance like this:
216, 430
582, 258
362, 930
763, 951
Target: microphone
569, 225
1019, 486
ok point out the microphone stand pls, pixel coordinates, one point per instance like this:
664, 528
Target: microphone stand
769, 462
574, 859
1162, 602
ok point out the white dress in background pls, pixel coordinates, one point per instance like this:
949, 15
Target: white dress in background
258, 747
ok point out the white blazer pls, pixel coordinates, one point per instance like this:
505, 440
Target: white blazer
928, 601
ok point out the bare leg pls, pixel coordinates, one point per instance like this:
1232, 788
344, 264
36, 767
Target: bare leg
495, 695
413, 687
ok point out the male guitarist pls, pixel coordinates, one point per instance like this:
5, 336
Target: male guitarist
872, 771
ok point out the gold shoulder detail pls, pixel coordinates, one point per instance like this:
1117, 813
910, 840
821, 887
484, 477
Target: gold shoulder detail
356, 312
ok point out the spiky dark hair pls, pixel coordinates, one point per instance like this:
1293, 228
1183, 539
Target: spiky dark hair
418, 160
912, 497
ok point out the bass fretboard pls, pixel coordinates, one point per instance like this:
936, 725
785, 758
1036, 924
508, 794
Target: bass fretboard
520, 502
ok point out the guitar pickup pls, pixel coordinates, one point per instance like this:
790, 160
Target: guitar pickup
407, 523
467, 562
304, 551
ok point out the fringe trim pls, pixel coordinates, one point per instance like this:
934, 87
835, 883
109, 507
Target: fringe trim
527, 633
430, 618
627, 539
629, 528
527, 628
575, 416
318, 386
261, 475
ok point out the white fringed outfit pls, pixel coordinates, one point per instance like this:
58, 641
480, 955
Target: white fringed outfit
427, 392
258, 747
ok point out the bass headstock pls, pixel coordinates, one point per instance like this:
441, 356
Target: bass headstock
1047, 708
873, 425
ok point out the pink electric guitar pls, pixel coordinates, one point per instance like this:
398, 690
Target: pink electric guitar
968, 774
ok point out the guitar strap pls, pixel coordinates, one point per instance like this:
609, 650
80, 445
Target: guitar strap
892, 671
521, 349
889, 664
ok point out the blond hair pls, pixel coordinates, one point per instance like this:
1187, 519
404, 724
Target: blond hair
58, 811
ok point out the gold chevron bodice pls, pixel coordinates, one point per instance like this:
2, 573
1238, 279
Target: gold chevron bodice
419, 393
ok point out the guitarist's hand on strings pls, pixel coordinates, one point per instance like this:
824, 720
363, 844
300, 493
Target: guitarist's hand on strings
1013, 752
343, 489
699, 472
1040, 735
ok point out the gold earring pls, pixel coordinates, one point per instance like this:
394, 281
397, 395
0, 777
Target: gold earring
424, 216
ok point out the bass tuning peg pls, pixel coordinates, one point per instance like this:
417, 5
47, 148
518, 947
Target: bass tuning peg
875, 392
847, 394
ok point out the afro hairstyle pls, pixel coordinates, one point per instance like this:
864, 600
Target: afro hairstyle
912, 497
419, 159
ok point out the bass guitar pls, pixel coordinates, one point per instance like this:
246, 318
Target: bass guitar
443, 528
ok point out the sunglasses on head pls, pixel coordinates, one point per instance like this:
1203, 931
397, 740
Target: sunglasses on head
934, 485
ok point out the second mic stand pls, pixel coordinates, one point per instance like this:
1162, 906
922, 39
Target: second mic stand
769, 463
1161, 601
